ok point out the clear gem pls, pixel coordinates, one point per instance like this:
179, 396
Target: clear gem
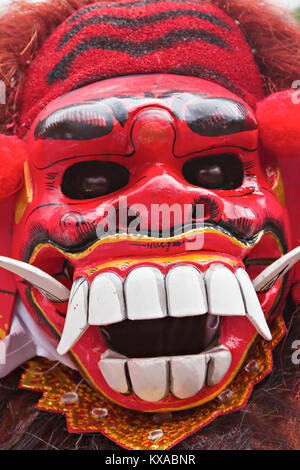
99, 413
69, 398
156, 434
225, 396
252, 366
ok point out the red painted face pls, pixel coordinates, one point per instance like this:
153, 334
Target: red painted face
162, 310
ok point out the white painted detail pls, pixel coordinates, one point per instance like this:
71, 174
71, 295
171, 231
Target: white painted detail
252, 305
76, 319
185, 292
145, 294
219, 363
188, 375
106, 302
149, 378
113, 371
223, 292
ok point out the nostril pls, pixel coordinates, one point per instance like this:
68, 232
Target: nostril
201, 211
206, 208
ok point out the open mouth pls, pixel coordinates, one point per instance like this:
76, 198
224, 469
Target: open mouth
159, 319
163, 323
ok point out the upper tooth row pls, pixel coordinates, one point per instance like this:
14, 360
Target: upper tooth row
146, 294
57, 292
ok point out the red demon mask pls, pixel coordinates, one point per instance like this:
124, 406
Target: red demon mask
162, 307
151, 226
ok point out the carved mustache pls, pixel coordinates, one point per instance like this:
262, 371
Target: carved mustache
84, 235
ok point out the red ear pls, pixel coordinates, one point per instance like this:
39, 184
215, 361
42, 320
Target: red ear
279, 123
12, 158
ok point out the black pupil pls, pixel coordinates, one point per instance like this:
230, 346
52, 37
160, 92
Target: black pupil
223, 171
87, 180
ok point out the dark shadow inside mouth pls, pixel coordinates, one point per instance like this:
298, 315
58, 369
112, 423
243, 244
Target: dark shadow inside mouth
162, 337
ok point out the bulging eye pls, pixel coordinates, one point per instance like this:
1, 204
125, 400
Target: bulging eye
87, 180
224, 171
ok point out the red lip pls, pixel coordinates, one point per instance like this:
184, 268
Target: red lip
235, 333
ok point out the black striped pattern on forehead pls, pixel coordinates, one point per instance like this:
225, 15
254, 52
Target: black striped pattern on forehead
134, 23
141, 3
133, 48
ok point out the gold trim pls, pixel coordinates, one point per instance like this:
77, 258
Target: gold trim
134, 238
28, 183
24, 196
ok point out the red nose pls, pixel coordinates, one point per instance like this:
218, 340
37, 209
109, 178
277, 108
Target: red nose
153, 133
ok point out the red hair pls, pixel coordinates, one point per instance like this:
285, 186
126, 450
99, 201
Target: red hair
24, 28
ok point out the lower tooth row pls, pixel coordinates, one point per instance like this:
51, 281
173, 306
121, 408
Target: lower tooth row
152, 379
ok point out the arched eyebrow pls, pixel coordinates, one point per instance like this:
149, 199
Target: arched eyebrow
82, 121
214, 116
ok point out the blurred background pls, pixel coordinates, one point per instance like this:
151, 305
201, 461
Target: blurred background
287, 3
291, 4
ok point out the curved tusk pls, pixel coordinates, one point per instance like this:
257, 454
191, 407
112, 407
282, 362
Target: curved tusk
50, 287
76, 322
266, 279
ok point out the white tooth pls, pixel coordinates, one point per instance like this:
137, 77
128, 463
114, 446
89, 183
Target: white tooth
149, 378
113, 371
223, 292
49, 286
76, 319
106, 303
110, 354
266, 279
219, 363
253, 309
188, 375
145, 294
186, 292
